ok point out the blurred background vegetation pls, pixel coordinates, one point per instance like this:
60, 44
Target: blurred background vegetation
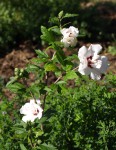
20, 20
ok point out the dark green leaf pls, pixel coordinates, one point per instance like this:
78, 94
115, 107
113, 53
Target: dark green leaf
44, 146
71, 75
46, 35
41, 54
67, 15
15, 87
22, 147
50, 67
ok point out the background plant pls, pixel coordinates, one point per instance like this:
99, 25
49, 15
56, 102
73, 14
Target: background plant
21, 20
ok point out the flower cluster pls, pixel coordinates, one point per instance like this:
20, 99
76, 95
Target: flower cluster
31, 110
69, 36
90, 62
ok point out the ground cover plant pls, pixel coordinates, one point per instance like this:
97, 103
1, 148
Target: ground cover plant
74, 110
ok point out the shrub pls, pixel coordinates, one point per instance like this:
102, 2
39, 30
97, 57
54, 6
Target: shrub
78, 113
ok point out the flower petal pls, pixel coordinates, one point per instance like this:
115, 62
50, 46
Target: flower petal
26, 118
95, 74
97, 64
63, 31
84, 70
74, 31
104, 64
82, 52
96, 48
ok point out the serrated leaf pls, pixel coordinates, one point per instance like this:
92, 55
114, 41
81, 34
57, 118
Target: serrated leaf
41, 54
54, 20
74, 56
12, 80
32, 68
20, 130
70, 75
15, 87
46, 35
50, 67
55, 29
67, 15
22, 147
44, 146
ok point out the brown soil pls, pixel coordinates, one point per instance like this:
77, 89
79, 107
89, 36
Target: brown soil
18, 58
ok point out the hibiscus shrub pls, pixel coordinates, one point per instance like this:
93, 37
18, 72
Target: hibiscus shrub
73, 110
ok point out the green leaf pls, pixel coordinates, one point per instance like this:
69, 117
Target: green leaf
73, 57
60, 14
70, 75
22, 147
12, 80
32, 68
61, 82
15, 87
41, 54
46, 35
44, 146
67, 15
59, 53
54, 20
50, 67
20, 130
55, 29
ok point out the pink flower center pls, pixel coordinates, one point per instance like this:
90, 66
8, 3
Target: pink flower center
89, 60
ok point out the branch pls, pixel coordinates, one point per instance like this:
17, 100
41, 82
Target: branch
61, 75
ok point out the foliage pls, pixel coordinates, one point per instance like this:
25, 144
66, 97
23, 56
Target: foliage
112, 50
21, 20
79, 113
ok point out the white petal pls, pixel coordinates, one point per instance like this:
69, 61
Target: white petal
63, 31
38, 101
39, 108
32, 101
95, 74
39, 115
97, 64
104, 64
82, 52
25, 109
96, 48
84, 70
74, 31
73, 42
69, 41
65, 42
26, 118
95, 57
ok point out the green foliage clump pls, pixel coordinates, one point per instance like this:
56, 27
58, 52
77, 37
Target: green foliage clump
84, 116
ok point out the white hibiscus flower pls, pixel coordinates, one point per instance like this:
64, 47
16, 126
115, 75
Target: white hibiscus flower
69, 36
91, 63
31, 111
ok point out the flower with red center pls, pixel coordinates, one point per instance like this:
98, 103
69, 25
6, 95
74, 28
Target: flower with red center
91, 63
31, 111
